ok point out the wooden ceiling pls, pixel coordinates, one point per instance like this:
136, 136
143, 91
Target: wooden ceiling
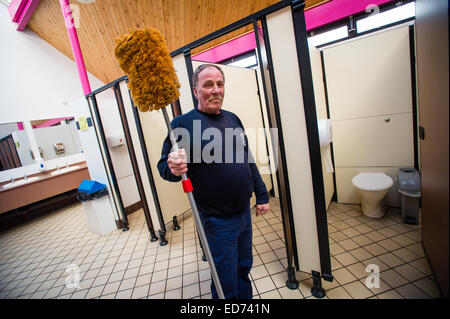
180, 21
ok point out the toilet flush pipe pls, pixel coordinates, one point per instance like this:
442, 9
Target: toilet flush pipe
70, 26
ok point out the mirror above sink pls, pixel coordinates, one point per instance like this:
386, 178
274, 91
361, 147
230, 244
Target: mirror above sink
30, 142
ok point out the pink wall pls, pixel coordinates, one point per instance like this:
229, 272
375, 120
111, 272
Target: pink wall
52, 122
335, 10
328, 12
229, 49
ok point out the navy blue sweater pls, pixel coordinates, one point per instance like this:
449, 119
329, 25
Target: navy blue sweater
226, 177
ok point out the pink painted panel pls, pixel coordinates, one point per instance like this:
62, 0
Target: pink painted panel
335, 10
26, 14
228, 50
67, 14
15, 8
20, 126
52, 122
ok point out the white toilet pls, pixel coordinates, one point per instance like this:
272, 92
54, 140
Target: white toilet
373, 187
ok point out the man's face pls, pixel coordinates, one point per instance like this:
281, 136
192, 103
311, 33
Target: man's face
210, 90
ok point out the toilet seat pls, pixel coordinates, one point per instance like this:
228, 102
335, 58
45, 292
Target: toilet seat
372, 181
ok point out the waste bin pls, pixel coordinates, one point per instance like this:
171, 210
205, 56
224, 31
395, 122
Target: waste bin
96, 206
409, 189
89, 190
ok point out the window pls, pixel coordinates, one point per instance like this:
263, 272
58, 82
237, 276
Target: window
375, 17
245, 63
384, 18
246, 60
329, 36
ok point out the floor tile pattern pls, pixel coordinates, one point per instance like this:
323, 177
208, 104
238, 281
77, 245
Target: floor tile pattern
57, 256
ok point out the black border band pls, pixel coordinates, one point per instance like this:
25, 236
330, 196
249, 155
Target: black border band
190, 71
282, 174
304, 65
414, 96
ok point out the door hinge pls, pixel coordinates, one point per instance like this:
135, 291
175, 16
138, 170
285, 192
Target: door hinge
421, 133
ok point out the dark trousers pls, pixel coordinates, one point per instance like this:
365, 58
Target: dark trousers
230, 242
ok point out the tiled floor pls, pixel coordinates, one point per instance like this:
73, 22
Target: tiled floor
35, 259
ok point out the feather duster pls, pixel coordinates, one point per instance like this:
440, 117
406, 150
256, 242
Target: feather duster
144, 57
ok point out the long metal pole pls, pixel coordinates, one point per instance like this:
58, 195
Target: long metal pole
197, 219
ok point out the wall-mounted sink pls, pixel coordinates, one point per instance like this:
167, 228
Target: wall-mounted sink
65, 170
20, 182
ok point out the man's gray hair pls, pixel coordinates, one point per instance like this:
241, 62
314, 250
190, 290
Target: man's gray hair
200, 69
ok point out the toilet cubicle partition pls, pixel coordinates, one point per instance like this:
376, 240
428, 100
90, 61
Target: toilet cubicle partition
148, 130
289, 98
289, 95
144, 134
100, 132
137, 154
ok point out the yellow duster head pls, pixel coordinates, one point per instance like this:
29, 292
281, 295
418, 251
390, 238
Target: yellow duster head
144, 57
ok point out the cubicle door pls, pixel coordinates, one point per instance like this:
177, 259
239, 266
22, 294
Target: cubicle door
433, 80
292, 121
172, 199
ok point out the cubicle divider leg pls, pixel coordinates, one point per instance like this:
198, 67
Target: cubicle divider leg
317, 290
153, 237
292, 282
162, 237
176, 226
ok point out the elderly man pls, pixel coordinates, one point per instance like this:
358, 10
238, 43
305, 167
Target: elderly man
223, 178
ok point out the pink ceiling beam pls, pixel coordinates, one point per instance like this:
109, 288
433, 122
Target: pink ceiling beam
52, 122
15, 9
228, 50
26, 14
335, 10
70, 25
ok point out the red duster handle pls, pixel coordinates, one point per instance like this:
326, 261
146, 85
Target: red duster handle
187, 185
